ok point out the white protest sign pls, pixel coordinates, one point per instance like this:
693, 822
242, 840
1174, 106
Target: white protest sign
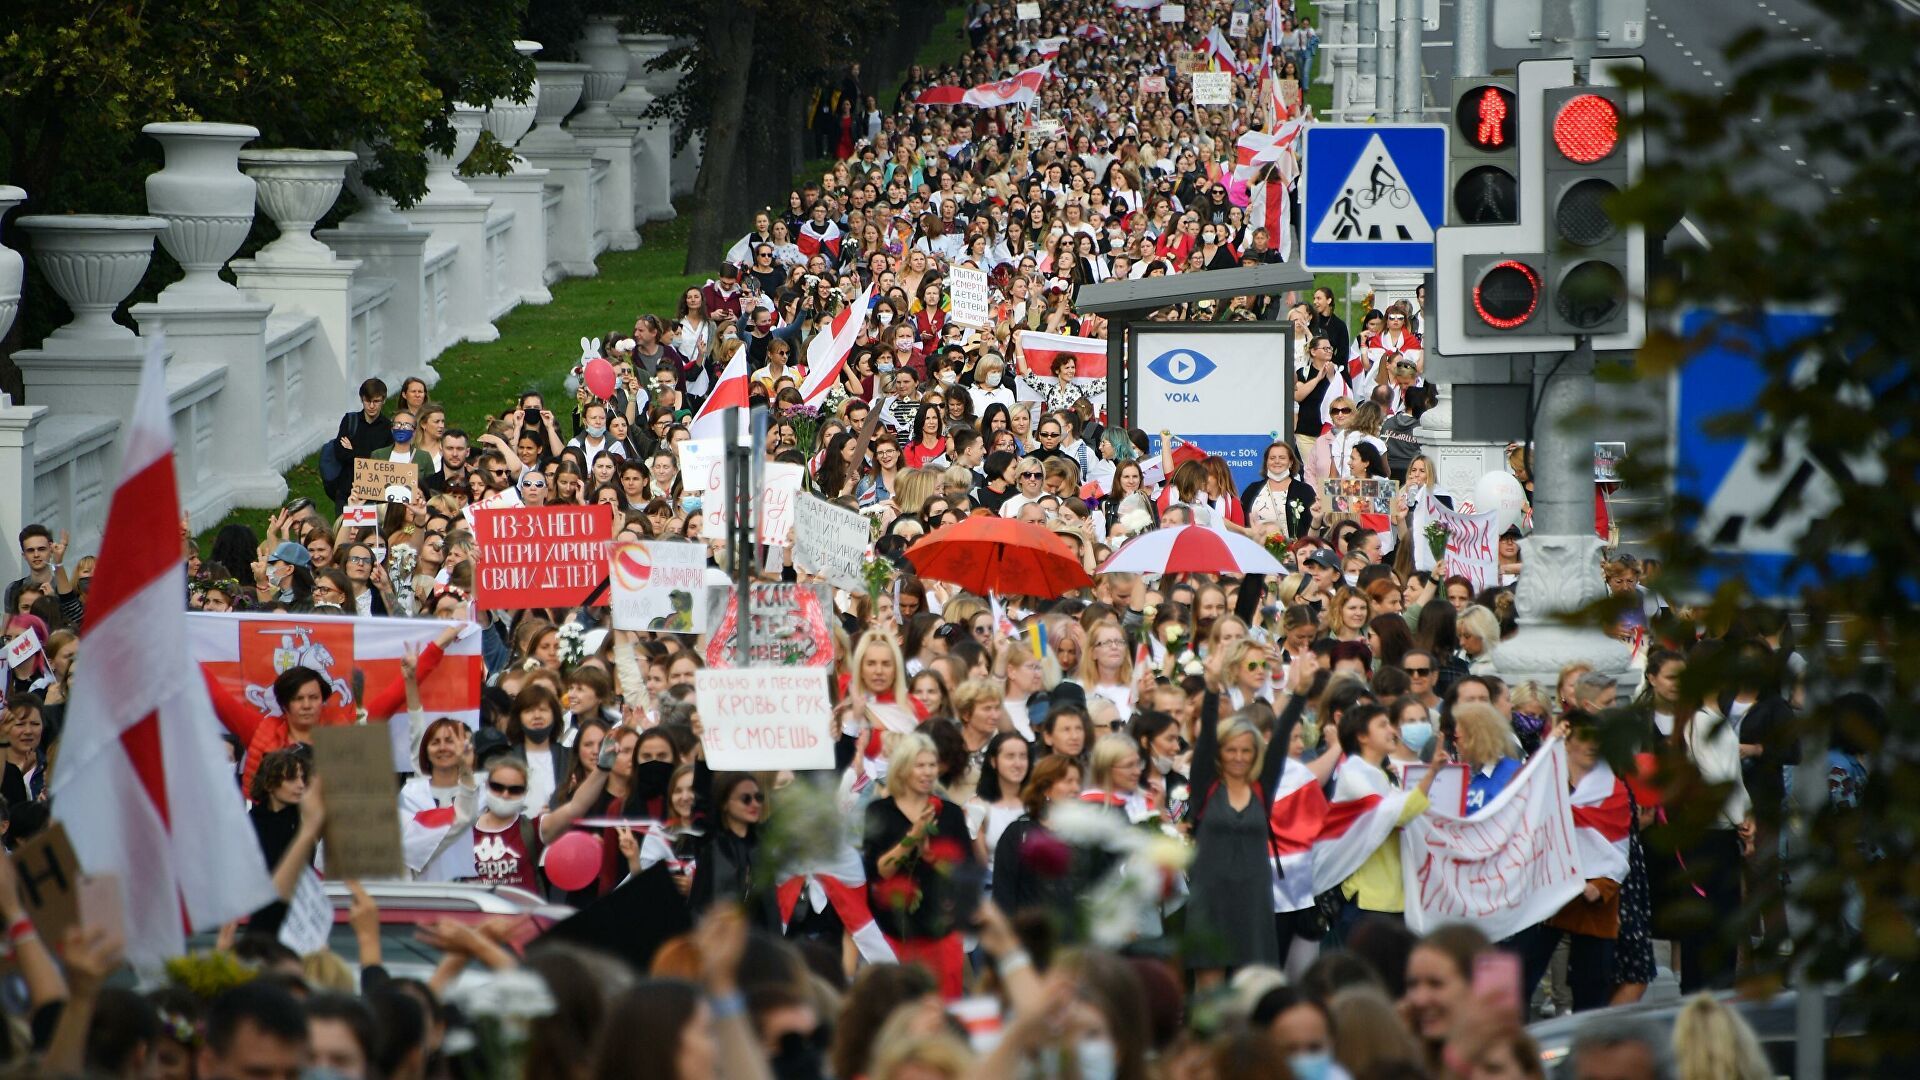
1153, 84
831, 541
969, 292
1237, 26
659, 585
702, 464
1509, 866
779, 490
1173, 13
1026, 12
1044, 128
1472, 550
309, 918
765, 718
22, 648
1212, 88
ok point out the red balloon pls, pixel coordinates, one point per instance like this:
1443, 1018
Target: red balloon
599, 375
573, 861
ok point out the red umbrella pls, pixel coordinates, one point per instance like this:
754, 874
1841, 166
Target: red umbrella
988, 554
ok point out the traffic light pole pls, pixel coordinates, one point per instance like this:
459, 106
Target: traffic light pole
1409, 100
1383, 64
1469, 38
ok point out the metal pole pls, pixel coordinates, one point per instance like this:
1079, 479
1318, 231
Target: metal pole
1407, 81
1563, 457
1383, 64
1469, 38
739, 504
1367, 25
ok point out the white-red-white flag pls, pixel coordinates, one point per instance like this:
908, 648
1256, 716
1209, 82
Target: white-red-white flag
839, 882
815, 239
731, 392
1020, 89
827, 353
143, 786
1043, 350
1268, 208
1220, 50
1602, 819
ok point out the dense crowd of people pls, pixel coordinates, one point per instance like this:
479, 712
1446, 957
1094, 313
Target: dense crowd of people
993, 753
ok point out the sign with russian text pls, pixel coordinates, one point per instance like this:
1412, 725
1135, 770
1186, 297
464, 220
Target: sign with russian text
659, 585
1173, 13
1212, 88
968, 287
1511, 865
372, 477
787, 627
831, 542
362, 833
1472, 550
765, 718
540, 556
702, 464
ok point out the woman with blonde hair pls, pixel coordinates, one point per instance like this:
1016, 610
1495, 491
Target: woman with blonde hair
1230, 913
1479, 632
1113, 778
1246, 672
913, 487
1347, 615
1028, 679
914, 841
1106, 667
1712, 1042
1483, 742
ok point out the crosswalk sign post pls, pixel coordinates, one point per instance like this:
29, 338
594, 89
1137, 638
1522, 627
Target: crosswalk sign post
1372, 195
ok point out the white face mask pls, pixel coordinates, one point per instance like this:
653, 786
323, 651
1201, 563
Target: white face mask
886, 317
1278, 476
506, 808
1096, 1059
949, 378
991, 380
1162, 765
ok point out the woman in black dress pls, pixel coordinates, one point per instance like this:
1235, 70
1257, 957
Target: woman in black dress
916, 843
1230, 915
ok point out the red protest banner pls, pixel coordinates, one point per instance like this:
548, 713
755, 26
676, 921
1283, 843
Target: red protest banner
540, 556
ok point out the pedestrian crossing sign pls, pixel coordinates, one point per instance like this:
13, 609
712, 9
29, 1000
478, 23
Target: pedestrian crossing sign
1372, 195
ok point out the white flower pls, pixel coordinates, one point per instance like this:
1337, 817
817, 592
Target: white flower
1194, 667
1179, 794
514, 994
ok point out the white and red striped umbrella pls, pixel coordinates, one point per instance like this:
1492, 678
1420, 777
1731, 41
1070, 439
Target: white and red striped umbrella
1191, 549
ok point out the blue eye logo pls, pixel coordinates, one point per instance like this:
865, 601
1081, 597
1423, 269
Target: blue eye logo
1182, 366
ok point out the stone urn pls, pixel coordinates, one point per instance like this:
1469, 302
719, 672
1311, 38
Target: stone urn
606, 59
93, 261
508, 120
649, 46
560, 87
296, 189
376, 209
443, 184
205, 200
632, 102
13, 268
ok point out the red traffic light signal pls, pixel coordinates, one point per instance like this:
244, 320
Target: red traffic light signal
1587, 128
1507, 294
1484, 118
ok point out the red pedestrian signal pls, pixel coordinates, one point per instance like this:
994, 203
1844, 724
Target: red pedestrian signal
1587, 128
1484, 118
1483, 166
1507, 294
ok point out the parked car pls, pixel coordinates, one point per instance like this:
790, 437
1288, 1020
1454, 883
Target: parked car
1772, 1019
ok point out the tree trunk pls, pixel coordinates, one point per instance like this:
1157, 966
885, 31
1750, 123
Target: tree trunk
730, 40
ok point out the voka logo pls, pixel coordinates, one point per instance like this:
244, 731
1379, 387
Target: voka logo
1182, 367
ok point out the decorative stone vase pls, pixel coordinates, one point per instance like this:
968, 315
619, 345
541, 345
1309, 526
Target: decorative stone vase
296, 189
560, 87
93, 261
606, 59
205, 200
443, 183
376, 210
632, 102
650, 46
13, 268
507, 119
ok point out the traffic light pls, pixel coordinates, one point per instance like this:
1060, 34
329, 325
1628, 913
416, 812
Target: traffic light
1562, 266
1586, 167
1483, 172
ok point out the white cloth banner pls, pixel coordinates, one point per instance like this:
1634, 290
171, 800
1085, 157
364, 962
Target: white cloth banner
1513, 864
1472, 551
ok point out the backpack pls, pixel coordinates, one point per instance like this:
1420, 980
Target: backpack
1402, 447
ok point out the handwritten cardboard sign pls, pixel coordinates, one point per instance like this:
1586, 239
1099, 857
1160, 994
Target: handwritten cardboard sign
968, 288
1173, 13
765, 718
540, 556
787, 627
660, 585
1212, 88
373, 476
1153, 84
703, 464
1027, 11
362, 834
831, 542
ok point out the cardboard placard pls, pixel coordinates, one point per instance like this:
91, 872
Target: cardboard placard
1173, 13
831, 542
373, 476
49, 873
660, 585
1357, 495
787, 628
1237, 25
1188, 61
1153, 84
309, 919
362, 833
541, 556
765, 718
1212, 88
968, 288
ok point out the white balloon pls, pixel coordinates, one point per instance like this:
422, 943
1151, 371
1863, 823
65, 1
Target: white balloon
1499, 492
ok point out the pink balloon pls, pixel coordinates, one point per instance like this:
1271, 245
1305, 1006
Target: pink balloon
573, 861
599, 375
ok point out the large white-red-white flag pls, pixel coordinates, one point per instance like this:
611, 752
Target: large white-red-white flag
143, 784
814, 239
1220, 50
1020, 89
827, 353
839, 882
733, 391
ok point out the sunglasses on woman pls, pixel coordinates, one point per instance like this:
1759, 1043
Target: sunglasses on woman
509, 790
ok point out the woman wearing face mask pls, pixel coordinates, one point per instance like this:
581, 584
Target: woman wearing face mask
533, 730
507, 843
438, 805
1157, 736
1281, 502
1414, 722
404, 450
913, 843
1216, 248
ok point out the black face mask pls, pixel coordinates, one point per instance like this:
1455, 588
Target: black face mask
537, 736
650, 779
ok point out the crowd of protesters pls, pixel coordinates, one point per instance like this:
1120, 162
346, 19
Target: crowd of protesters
967, 733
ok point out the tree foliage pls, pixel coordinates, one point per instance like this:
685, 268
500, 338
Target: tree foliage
1835, 232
